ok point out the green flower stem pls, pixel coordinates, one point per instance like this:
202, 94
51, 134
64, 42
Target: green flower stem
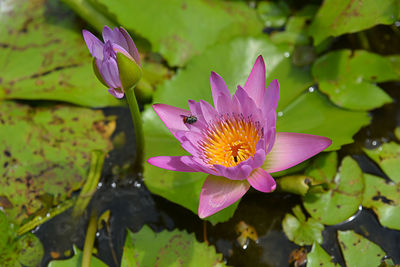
137, 123
89, 240
90, 14
90, 186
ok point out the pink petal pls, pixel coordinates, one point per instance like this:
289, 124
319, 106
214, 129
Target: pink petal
173, 163
256, 83
209, 113
271, 97
219, 90
239, 172
262, 181
131, 45
109, 71
292, 148
116, 92
172, 117
115, 37
247, 105
218, 193
94, 45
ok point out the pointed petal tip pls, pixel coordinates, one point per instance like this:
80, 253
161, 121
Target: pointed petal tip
218, 193
260, 59
262, 181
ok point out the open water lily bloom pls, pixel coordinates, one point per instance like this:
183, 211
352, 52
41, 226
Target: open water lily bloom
235, 142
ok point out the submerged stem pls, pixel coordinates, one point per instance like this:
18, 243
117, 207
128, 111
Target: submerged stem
137, 123
89, 240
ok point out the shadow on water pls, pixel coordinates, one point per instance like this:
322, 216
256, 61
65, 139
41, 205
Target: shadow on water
131, 205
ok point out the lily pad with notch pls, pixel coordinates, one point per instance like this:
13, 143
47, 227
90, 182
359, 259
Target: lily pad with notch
344, 196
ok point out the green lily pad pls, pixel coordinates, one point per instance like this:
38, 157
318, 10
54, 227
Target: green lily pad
359, 251
318, 257
176, 248
349, 77
43, 56
45, 154
299, 111
336, 17
177, 29
384, 198
387, 157
343, 198
76, 261
302, 231
18, 251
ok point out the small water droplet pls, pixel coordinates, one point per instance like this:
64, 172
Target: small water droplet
280, 114
286, 54
311, 89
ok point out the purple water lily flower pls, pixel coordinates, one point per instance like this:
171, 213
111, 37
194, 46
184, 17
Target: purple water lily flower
235, 142
105, 54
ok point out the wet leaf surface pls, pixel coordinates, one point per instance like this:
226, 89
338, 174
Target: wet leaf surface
47, 155
43, 55
18, 251
359, 251
300, 230
384, 198
319, 258
76, 261
349, 78
344, 16
175, 248
193, 83
177, 29
344, 196
387, 157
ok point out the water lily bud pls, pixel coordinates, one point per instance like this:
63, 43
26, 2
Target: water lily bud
116, 62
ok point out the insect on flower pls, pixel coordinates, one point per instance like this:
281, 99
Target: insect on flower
235, 142
189, 119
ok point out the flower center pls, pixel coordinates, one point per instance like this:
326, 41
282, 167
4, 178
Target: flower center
230, 140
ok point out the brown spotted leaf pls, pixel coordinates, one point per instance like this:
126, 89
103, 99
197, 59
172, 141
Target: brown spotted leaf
45, 154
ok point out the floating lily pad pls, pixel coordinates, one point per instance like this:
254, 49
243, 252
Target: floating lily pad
343, 198
45, 154
319, 258
384, 198
18, 251
349, 77
177, 29
175, 248
299, 111
76, 261
302, 231
43, 56
336, 17
359, 251
387, 157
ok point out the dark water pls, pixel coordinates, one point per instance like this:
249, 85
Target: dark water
132, 205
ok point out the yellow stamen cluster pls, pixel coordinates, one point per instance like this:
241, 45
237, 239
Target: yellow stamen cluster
230, 140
